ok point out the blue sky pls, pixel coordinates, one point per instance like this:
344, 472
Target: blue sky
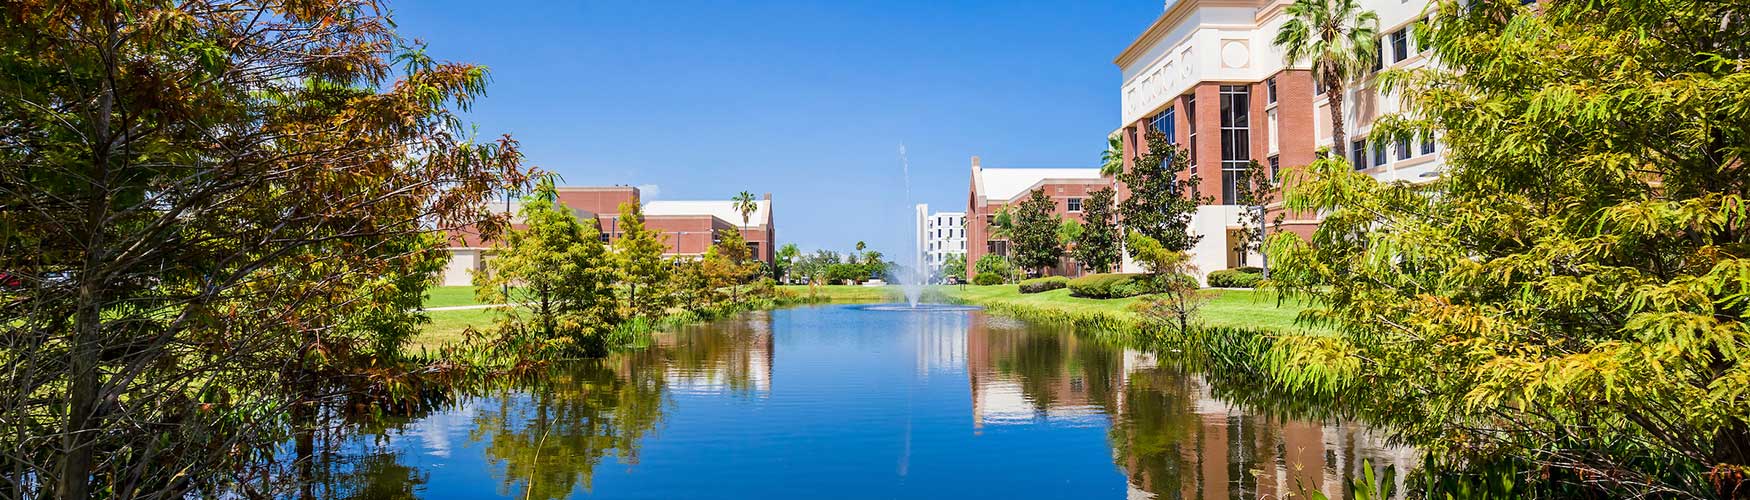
807, 100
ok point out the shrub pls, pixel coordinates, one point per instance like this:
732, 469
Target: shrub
1037, 285
1235, 278
1120, 285
1109, 285
987, 279
996, 265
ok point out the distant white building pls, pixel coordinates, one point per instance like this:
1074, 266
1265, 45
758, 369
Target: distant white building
944, 237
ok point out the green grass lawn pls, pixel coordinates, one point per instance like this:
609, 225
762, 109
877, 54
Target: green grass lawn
446, 327
445, 296
1232, 308
850, 293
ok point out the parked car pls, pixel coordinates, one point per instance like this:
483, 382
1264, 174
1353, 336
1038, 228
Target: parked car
11, 281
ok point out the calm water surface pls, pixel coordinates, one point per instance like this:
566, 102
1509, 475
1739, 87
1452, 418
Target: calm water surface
843, 402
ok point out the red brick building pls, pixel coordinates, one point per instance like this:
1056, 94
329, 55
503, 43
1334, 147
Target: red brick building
689, 227
993, 189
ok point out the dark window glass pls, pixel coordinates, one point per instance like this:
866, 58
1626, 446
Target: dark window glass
1358, 154
1404, 148
1163, 123
1400, 45
1428, 145
1275, 169
1236, 148
1379, 153
1379, 55
1075, 204
1270, 90
1191, 133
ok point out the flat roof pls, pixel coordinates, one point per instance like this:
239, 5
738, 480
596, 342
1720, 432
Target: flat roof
1008, 183
722, 209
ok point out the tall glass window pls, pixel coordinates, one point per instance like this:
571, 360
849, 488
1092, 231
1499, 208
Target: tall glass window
1236, 140
1358, 154
1400, 45
1163, 123
1191, 133
1403, 147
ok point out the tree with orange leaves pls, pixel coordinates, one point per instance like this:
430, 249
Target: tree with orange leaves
222, 209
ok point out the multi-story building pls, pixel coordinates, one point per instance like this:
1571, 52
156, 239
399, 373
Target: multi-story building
994, 189
689, 227
944, 237
1206, 75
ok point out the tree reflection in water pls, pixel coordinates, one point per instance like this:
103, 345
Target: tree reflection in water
1170, 433
549, 433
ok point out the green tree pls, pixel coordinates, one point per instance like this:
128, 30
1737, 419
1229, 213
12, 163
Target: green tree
1340, 40
1254, 191
873, 265
1002, 225
1174, 306
729, 264
643, 272
814, 266
955, 266
216, 206
1036, 244
1112, 159
1569, 297
745, 204
1097, 246
786, 259
1160, 205
556, 274
995, 265
1068, 231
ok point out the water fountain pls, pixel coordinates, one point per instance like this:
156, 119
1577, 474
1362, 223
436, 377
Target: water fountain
912, 280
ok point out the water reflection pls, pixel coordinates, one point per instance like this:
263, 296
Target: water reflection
1169, 434
546, 436
788, 403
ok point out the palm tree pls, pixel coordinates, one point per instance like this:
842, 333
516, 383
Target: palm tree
1340, 40
861, 246
1112, 159
786, 258
745, 204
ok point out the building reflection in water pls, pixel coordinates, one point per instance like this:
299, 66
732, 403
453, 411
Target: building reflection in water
1169, 434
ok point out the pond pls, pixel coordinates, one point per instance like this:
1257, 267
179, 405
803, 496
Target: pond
846, 401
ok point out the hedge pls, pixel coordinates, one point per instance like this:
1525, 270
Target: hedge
1037, 285
1235, 278
987, 279
1118, 285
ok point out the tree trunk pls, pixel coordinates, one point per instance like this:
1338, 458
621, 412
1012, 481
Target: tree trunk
1334, 98
78, 438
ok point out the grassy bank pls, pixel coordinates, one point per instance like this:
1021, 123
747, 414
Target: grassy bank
1226, 308
447, 327
847, 293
